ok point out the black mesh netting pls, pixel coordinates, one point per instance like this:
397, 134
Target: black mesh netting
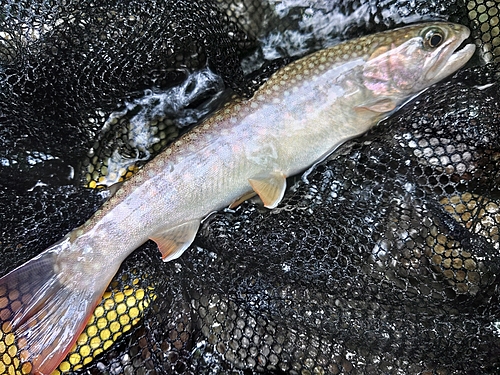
384, 260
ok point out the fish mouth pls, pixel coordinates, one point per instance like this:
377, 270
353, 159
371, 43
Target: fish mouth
453, 57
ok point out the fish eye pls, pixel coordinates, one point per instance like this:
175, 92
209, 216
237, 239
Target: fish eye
433, 38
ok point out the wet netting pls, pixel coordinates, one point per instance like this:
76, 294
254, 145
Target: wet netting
384, 259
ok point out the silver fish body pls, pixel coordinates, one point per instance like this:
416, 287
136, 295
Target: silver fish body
300, 115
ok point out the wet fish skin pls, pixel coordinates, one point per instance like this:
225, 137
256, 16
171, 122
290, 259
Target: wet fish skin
299, 116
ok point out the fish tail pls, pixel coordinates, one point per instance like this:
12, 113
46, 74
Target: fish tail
41, 314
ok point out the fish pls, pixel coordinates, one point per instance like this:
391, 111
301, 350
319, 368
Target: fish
300, 115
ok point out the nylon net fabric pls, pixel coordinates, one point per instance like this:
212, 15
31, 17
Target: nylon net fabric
383, 260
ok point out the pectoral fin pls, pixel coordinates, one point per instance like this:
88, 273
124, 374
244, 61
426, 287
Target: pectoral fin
380, 106
172, 242
270, 189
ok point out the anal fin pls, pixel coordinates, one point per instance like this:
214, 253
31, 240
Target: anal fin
382, 105
241, 199
270, 188
172, 242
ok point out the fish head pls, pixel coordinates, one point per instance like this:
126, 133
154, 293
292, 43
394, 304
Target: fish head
404, 61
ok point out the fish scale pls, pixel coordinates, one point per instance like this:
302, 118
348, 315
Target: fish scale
300, 115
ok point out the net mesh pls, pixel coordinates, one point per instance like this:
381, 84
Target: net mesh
384, 259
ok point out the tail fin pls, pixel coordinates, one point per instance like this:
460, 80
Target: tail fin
42, 317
